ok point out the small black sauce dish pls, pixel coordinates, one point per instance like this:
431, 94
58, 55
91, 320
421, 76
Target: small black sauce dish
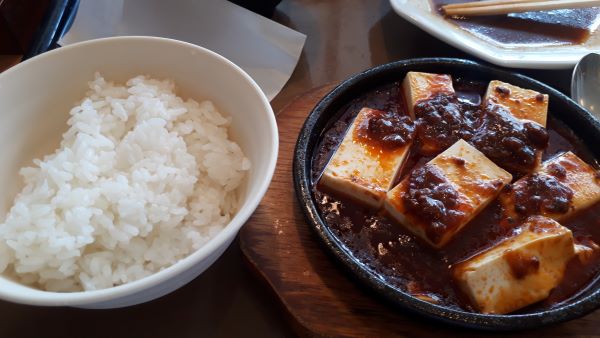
561, 107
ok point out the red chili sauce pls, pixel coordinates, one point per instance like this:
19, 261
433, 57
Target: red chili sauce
405, 261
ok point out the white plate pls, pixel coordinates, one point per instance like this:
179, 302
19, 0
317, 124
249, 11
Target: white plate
422, 14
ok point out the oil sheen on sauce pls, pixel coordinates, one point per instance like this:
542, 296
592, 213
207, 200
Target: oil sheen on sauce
390, 251
557, 27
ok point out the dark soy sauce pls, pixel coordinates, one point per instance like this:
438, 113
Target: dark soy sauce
557, 27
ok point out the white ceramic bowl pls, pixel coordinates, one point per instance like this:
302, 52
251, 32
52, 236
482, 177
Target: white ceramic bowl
36, 96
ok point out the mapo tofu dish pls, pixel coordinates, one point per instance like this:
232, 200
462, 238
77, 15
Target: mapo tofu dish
462, 193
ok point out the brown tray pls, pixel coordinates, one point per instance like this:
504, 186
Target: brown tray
319, 296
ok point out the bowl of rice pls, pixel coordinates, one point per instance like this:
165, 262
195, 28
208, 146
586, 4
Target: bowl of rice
128, 166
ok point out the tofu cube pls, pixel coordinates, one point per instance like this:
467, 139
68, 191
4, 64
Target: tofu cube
421, 86
363, 170
436, 201
561, 187
586, 251
524, 104
519, 271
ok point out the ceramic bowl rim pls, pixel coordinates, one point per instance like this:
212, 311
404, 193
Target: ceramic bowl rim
47, 298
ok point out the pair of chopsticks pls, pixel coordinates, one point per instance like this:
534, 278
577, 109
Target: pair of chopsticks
497, 7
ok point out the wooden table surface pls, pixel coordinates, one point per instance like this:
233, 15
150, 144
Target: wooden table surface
344, 37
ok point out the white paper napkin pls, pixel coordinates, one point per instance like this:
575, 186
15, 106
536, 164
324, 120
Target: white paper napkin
265, 49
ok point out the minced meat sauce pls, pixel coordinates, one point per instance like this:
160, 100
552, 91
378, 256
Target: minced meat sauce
511, 143
442, 120
539, 193
433, 200
404, 261
385, 129
521, 265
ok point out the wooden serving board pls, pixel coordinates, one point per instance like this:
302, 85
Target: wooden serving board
320, 297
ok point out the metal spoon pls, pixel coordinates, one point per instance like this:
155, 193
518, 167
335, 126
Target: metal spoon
585, 84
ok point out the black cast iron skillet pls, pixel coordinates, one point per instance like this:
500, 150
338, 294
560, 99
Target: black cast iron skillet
561, 107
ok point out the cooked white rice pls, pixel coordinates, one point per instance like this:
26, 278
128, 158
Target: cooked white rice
141, 180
